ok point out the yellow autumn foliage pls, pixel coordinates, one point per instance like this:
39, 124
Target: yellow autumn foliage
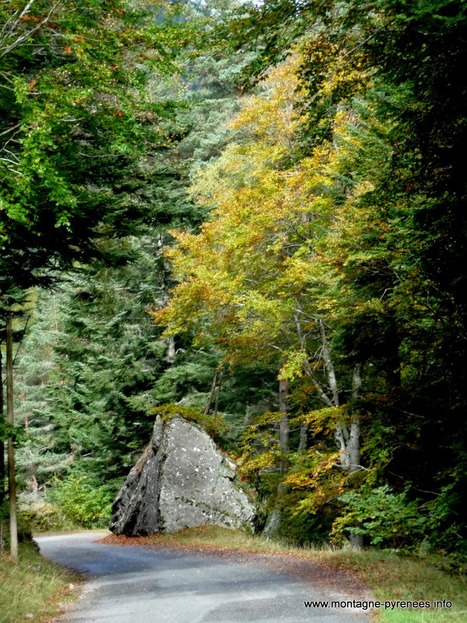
252, 279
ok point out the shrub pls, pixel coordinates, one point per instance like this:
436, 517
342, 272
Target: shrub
83, 501
381, 516
43, 516
303, 528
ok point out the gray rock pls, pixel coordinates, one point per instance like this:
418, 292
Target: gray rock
181, 481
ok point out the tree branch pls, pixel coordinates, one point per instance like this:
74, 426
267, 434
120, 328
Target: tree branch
22, 38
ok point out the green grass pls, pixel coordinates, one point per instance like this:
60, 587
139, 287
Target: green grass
401, 578
33, 588
390, 576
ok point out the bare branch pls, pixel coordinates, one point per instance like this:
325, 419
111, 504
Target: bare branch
5, 132
21, 14
22, 38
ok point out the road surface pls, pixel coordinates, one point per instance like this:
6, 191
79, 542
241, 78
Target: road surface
129, 584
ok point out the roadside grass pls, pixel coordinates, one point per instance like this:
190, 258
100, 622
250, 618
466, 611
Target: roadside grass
400, 578
33, 588
391, 576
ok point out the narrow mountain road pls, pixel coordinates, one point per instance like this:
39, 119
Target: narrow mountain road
129, 584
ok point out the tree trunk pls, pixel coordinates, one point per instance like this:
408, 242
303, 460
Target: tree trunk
171, 350
274, 521
356, 540
303, 442
215, 391
347, 434
329, 366
2, 444
354, 437
347, 438
283, 423
11, 449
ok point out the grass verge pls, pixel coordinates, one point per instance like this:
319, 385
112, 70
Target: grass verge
390, 576
33, 588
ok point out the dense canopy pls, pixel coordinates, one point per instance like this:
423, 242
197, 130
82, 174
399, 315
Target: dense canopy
254, 210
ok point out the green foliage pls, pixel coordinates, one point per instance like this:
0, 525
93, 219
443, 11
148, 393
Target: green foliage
189, 380
83, 501
334, 243
93, 365
15, 433
303, 528
383, 517
41, 516
72, 109
79, 393
445, 524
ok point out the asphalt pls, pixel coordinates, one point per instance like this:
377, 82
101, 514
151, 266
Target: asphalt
127, 584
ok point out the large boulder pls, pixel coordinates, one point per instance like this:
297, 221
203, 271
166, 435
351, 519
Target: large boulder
181, 481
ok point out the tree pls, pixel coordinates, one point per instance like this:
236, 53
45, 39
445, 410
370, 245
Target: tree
88, 409
348, 239
332, 253
70, 74
398, 299
71, 122
248, 281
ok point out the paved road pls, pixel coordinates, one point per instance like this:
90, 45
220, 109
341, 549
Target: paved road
137, 585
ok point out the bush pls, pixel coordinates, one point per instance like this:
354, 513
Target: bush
303, 528
82, 501
382, 517
43, 516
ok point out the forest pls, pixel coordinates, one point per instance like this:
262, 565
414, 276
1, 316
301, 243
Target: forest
252, 214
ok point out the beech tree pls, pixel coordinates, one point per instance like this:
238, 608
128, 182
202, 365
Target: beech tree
249, 281
327, 246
